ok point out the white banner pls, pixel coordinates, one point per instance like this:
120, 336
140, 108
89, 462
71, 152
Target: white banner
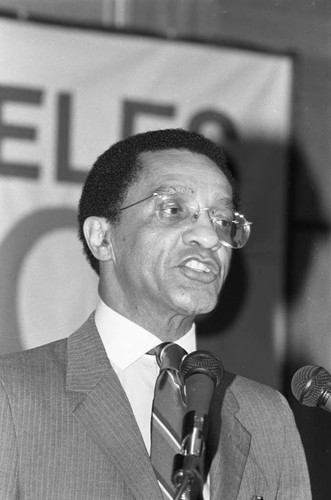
65, 96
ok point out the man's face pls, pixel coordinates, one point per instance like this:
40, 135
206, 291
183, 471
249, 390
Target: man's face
164, 270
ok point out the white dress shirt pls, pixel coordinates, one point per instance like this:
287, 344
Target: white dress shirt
126, 344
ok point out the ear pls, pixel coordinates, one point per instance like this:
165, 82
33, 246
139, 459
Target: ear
97, 232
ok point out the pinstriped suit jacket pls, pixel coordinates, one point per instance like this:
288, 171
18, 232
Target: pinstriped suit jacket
68, 432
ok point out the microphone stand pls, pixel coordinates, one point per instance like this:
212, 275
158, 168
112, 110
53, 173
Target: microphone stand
187, 477
183, 492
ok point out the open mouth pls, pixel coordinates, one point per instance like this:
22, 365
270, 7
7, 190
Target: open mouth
200, 267
205, 272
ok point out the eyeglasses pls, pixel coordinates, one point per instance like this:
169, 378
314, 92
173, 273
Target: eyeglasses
179, 210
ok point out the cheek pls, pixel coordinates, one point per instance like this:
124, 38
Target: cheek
224, 256
139, 249
225, 253
145, 251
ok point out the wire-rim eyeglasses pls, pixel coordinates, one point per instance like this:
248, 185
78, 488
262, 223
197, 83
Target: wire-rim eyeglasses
179, 209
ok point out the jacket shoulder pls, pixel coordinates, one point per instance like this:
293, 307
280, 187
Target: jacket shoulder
31, 362
258, 402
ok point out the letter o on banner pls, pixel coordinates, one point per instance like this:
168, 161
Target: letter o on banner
13, 252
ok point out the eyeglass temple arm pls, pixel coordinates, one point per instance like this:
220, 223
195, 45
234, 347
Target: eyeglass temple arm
140, 201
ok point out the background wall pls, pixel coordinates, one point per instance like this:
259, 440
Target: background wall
302, 28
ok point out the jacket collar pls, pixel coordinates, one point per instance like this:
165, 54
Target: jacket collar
228, 443
105, 411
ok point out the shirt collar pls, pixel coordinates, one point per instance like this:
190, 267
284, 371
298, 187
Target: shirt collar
125, 341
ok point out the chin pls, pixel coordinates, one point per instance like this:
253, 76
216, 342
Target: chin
196, 305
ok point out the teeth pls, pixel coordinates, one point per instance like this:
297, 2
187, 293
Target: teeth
197, 266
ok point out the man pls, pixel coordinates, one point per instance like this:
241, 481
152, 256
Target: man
158, 220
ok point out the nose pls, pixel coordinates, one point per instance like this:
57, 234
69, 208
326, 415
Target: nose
202, 233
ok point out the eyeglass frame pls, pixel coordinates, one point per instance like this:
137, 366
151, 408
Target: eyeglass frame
246, 223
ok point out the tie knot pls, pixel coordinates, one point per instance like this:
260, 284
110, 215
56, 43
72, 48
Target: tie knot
169, 355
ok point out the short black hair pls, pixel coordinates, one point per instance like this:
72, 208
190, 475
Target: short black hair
119, 167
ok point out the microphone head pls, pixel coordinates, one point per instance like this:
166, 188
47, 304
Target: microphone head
202, 362
309, 383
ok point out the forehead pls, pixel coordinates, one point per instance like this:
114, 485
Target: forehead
185, 168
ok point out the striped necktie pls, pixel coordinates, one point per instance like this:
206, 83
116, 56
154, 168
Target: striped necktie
167, 415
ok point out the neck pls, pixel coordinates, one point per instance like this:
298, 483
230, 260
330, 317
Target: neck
172, 330
168, 328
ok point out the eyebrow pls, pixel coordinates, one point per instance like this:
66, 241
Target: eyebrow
228, 203
179, 188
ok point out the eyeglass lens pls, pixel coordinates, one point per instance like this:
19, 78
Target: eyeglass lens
177, 209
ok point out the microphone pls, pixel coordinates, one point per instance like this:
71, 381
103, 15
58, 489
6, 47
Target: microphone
311, 386
201, 372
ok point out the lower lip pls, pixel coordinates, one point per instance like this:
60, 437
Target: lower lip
198, 275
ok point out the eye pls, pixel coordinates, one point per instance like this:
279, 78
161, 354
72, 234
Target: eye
223, 223
221, 218
172, 209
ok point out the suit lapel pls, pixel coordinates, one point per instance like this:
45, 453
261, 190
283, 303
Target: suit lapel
106, 413
230, 455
